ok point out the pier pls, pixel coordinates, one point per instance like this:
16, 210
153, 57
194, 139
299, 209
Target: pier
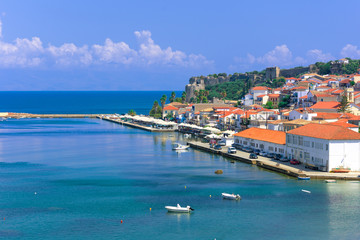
280, 167
134, 125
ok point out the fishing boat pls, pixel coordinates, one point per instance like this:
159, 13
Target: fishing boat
330, 181
305, 191
178, 146
303, 178
179, 209
231, 196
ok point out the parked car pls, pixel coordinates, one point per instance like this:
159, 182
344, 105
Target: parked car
270, 155
312, 167
262, 153
253, 156
217, 147
231, 150
284, 159
221, 143
257, 151
277, 156
247, 149
294, 162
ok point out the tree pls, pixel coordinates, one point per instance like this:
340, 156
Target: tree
344, 103
156, 110
183, 97
172, 97
285, 101
132, 112
163, 100
223, 94
268, 105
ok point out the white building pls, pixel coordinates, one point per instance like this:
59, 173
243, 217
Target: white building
324, 146
263, 139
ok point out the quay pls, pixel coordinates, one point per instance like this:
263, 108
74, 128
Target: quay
134, 125
61, 115
267, 163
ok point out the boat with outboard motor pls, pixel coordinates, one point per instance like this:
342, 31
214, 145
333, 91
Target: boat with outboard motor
179, 209
231, 196
178, 146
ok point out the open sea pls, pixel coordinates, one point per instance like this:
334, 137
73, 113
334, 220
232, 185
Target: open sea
92, 179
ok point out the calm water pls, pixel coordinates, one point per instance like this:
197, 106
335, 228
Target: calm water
80, 102
89, 174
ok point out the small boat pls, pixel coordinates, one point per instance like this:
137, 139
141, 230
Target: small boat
303, 178
179, 209
231, 196
178, 146
305, 191
186, 135
330, 181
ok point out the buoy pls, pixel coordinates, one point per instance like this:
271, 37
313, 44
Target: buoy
35, 193
150, 209
185, 187
210, 196
121, 221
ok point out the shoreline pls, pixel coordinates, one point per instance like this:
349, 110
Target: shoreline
284, 168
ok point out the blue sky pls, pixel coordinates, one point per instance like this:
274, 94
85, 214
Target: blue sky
158, 45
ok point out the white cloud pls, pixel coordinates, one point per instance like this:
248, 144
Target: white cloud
31, 53
316, 55
280, 55
0, 28
350, 51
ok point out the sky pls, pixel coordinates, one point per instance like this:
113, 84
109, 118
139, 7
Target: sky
158, 45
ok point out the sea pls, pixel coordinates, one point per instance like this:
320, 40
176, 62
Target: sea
93, 179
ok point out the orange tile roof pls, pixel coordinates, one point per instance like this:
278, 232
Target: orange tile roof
170, 107
274, 95
344, 123
265, 135
260, 88
325, 131
325, 105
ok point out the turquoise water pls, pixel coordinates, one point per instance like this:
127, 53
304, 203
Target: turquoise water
89, 174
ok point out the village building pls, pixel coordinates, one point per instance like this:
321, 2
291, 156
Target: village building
324, 146
263, 139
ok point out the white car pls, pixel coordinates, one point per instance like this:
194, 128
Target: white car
231, 150
262, 153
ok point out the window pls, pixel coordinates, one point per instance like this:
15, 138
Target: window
295, 140
236, 140
327, 147
245, 142
257, 145
252, 144
306, 156
288, 137
275, 149
312, 144
300, 141
281, 150
271, 148
301, 155
261, 146
307, 143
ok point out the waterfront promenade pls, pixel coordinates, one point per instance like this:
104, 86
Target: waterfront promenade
281, 167
146, 128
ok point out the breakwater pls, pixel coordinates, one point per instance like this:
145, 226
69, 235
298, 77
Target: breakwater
134, 125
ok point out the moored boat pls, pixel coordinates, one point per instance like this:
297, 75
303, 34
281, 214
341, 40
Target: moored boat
179, 209
231, 196
178, 146
303, 178
330, 181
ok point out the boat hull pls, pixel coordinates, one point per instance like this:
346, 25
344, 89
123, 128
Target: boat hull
178, 209
231, 196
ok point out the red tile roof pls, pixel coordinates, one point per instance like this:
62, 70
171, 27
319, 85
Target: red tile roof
325, 131
344, 123
260, 88
274, 95
326, 105
265, 135
170, 107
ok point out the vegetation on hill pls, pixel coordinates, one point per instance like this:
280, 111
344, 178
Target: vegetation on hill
350, 68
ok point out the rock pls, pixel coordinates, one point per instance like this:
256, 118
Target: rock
219, 171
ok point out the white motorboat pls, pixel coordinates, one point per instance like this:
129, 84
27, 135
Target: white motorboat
330, 181
231, 196
178, 146
179, 209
